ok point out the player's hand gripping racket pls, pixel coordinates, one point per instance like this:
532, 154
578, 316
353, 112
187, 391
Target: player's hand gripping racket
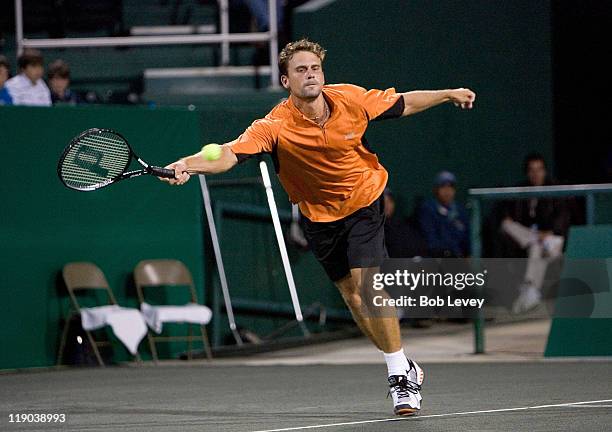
100, 157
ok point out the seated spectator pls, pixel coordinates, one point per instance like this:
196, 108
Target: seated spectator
444, 222
28, 88
401, 238
259, 10
58, 77
5, 71
538, 227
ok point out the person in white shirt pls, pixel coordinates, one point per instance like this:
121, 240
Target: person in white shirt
28, 88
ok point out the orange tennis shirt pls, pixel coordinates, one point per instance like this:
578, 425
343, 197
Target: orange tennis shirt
327, 170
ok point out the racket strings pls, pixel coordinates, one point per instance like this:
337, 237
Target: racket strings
95, 159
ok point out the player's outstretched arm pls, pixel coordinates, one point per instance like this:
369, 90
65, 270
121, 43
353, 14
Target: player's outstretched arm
196, 164
420, 100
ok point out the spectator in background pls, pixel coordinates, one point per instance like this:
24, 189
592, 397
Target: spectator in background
28, 88
443, 221
401, 239
259, 10
58, 77
5, 71
538, 227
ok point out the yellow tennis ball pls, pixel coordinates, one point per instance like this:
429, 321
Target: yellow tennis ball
211, 152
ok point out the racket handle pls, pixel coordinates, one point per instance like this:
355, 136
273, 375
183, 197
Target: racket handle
162, 172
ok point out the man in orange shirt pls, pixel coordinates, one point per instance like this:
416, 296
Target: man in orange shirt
315, 138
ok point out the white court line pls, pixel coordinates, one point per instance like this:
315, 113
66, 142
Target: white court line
433, 416
590, 406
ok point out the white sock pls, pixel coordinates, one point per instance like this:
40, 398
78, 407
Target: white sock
397, 364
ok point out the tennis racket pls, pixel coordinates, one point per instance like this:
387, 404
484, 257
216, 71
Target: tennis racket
100, 157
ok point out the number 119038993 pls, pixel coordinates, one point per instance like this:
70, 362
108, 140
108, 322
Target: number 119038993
37, 418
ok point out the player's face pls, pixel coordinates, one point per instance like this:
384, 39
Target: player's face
305, 76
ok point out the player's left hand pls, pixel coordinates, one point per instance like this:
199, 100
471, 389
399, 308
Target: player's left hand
463, 98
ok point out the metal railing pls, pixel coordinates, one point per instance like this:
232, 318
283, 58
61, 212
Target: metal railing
479, 194
224, 38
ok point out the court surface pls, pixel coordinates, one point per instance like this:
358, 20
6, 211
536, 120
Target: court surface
530, 396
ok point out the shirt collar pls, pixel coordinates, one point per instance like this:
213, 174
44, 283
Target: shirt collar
27, 80
300, 116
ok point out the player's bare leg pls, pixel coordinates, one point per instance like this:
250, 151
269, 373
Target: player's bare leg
381, 326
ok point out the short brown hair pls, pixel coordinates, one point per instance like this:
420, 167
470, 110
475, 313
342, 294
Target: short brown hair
30, 57
59, 68
4, 62
301, 45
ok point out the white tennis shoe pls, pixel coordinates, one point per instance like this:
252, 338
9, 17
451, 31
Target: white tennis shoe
406, 390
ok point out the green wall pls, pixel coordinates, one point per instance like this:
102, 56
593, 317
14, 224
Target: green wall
44, 225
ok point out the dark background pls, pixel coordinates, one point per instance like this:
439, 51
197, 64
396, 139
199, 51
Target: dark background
581, 35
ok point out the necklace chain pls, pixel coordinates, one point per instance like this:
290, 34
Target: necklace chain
322, 116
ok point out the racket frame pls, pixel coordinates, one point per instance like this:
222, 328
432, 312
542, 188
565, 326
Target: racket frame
147, 169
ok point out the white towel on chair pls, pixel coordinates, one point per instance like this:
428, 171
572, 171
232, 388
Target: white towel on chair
128, 324
190, 313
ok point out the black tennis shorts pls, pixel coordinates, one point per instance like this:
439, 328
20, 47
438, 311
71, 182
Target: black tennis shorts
355, 241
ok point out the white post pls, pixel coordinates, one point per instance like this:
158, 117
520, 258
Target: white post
219, 259
144, 40
283, 248
224, 19
273, 31
19, 26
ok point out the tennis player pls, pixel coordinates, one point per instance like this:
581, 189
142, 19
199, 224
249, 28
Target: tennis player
316, 139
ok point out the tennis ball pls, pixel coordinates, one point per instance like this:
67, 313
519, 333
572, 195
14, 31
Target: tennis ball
211, 152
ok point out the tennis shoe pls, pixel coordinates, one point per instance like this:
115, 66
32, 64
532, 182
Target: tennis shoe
406, 390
